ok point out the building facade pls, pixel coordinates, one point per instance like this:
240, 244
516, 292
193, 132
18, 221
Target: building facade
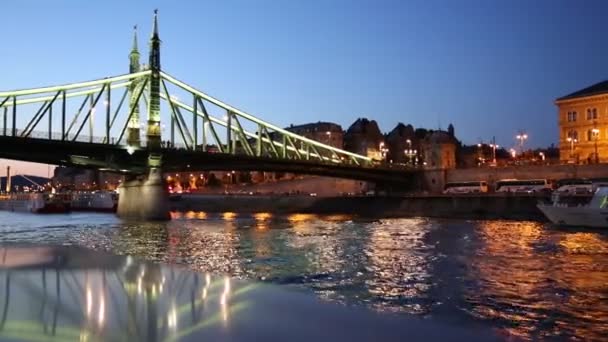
328, 133
583, 125
364, 137
403, 146
439, 150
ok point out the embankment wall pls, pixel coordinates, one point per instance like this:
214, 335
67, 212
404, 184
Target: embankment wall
519, 207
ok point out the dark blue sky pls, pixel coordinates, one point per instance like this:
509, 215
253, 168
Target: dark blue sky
488, 67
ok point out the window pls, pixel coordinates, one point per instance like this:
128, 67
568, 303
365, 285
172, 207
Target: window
591, 113
573, 134
589, 135
571, 116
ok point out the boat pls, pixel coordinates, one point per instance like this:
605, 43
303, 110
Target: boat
101, 201
567, 213
34, 202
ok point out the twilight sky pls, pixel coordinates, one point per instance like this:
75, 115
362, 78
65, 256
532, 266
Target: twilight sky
490, 67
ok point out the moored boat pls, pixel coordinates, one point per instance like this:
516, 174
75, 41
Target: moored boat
592, 214
34, 202
102, 201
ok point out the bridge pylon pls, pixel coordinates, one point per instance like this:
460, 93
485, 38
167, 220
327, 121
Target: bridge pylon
147, 197
133, 135
153, 129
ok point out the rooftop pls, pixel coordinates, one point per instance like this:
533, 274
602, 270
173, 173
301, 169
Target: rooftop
596, 89
322, 125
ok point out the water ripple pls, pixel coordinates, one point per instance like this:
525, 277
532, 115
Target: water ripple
526, 279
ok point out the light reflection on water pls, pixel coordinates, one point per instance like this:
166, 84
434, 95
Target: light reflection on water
527, 279
540, 282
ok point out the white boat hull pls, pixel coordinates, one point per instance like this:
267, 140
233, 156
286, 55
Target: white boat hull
582, 216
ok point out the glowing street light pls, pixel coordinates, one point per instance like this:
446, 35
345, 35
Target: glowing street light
522, 137
494, 147
410, 153
383, 151
480, 156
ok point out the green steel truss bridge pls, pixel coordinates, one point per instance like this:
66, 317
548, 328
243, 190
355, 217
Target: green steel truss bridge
98, 124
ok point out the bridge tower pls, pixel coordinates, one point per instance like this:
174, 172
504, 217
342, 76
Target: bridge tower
134, 66
147, 197
153, 132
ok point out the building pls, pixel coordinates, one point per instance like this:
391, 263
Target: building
84, 179
402, 145
583, 125
328, 133
364, 137
439, 150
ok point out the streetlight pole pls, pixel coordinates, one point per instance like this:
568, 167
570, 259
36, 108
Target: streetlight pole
521, 137
410, 155
383, 151
479, 154
494, 147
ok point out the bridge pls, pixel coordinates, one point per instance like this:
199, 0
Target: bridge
97, 124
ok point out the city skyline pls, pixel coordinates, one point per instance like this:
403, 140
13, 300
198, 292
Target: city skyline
335, 61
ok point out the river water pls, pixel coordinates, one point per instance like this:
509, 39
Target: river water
523, 279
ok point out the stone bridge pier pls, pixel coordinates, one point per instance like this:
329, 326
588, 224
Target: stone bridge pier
144, 198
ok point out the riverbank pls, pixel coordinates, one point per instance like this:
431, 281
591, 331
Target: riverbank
488, 206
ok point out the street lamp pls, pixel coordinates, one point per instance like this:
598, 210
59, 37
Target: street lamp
596, 135
410, 154
494, 147
480, 153
383, 151
521, 137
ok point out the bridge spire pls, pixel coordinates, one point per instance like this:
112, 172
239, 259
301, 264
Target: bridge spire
155, 45
134, 48
134, 66
153, 132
